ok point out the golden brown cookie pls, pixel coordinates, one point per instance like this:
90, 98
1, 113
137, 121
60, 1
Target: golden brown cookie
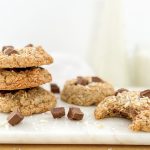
12, 79
127, 104
28, 101
29, 56
86, 91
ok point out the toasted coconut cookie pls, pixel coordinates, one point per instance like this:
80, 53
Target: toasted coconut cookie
133, 105
27, 101
86, 91
22, 78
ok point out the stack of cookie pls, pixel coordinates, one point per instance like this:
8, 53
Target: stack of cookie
20, 77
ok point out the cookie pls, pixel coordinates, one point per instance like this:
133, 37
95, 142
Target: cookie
28, 101
86, 91
21, 78
127, 104
28, 56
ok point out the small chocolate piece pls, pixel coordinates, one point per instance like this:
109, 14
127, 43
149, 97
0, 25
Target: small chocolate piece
145, 93
82, 81
29, 45
5, 47
9, 51
58, 112
15, 117
120, 91
54, 88
97, 79
75, 113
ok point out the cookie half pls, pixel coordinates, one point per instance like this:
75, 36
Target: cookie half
86, 91
29, 101
25, 57
12, 79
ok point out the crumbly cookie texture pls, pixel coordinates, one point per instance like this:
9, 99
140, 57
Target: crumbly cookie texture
86, 95
28, 102
12, 79
25, 57
127, 104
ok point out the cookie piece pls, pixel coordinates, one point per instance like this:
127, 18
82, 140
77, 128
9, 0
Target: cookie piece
12, 79
84, 91
25, 57
28, 101
128, 104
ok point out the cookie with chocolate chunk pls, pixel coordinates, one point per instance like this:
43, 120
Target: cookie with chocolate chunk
27, 56
27, 101
86, 91
133, 105
21, 78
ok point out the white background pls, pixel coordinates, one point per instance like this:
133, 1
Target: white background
67, 25
60, 25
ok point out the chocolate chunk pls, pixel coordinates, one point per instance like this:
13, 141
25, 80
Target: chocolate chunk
9, 51
58, 112
15, 117
97, 79
82, 81
124, 114
5, 47
145, 93
29, 45
75, 113
120, 91
54, 88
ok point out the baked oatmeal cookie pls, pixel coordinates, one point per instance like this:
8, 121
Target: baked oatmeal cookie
27, 101
132, 105
86, 91
28, 56
22, 78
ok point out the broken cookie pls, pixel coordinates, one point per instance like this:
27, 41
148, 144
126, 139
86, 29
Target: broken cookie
132, 105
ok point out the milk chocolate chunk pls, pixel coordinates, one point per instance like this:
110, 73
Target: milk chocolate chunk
5, 47
9, 51
120, 91
15, 117
145, 93
54, 88
75, 113
97, 79
82, 81
58, 112
29, 45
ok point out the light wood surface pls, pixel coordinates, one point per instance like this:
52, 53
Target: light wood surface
72, 147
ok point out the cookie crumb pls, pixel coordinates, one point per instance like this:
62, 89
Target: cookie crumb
100, 126
3, 123
43, 121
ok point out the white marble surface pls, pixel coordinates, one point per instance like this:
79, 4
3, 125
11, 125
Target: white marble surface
43, 129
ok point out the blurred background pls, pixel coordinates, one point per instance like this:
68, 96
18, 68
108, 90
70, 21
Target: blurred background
109, 37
